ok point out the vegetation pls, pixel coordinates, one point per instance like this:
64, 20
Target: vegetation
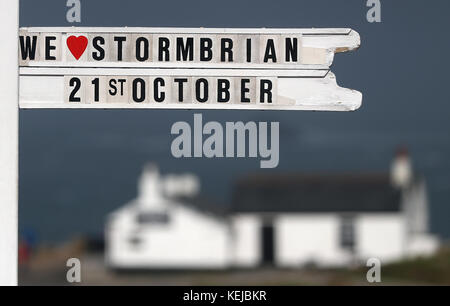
434, 270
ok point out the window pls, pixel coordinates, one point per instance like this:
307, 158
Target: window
144, 218
347, 233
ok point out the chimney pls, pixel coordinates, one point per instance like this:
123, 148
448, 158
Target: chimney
149, 187
401, 169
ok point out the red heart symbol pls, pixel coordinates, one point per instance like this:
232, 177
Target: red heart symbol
77, 45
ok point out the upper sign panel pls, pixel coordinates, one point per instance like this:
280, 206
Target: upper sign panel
184, 47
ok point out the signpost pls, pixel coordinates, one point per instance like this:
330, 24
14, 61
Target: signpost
198, 68
9, 15
173, 68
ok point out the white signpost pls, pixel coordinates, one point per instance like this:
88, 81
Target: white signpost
198, 68
9, 153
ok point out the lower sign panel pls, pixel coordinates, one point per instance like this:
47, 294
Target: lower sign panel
243, 90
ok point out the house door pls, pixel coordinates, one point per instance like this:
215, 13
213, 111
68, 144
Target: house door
268, 244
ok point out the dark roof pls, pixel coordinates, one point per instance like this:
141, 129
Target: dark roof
204, 204
316, 194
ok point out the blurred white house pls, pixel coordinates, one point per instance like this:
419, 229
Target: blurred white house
284, 220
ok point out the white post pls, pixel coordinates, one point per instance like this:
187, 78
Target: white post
9, 113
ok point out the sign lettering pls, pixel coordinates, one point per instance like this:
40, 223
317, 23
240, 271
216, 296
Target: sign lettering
171, 90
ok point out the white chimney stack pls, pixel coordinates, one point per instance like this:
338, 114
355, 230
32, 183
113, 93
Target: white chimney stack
401, 169
155, 191
149, 187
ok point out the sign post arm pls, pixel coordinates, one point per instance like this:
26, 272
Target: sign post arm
9, 15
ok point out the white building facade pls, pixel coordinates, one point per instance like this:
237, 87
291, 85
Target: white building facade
284, 221
157, 232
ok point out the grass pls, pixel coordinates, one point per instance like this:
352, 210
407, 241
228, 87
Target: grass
434, 270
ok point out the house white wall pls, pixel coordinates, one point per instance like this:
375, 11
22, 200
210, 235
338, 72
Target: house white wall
189, 240
246, 240
422, 245
195, 240
315, 238
308, 238
415, 206
383, 236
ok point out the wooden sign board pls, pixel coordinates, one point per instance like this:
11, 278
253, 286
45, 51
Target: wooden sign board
267, 69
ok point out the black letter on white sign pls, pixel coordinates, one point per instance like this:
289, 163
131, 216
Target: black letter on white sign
226, 46
163, 44
223, 86
96, 83
205, 47
49, 47
156, 83
139, 41
249, 50
141, 96
100, 54
198, 86
120, 41
185, 50
270, 52
28, 48
291, 49
76, 83
244, 90
180, 88
266, 89
112, 85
